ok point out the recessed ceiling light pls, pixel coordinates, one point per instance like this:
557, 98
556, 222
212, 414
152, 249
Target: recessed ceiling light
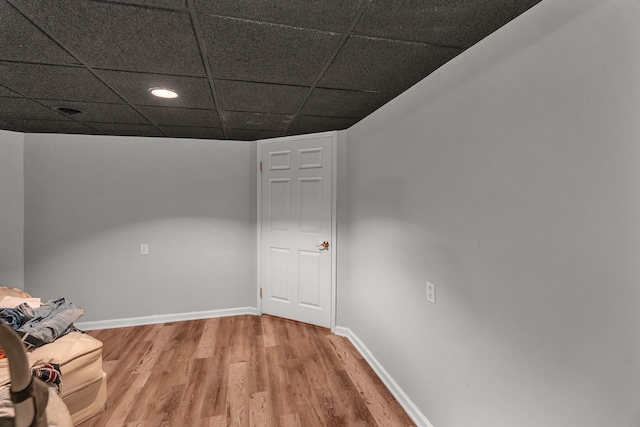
163, 92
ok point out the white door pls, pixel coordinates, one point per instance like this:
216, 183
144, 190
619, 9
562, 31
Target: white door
296, 226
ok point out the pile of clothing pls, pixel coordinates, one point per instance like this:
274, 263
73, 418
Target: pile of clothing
37, 323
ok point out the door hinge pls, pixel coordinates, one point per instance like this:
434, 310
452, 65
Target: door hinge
260, 292
260, 166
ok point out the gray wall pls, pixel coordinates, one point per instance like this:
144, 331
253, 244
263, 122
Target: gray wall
91, 201
510, 178
11, 209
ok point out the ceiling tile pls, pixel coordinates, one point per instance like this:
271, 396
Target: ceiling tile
180, 116
260, 97
271, 61
244, 50
193, 132
441, 22
331, 15
118, 36
8, 125
126, 129
53, 126
255, 121
23, 108
521, 6
251, 135
23, 41
55, 82
343, 103
193, 92
311, 124
97, 112
370, 64
7, 92
453, 23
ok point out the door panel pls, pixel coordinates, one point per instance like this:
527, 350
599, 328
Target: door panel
280, 160
296, 209
279, 199
310, 209
310, 282
279, 274
311, 158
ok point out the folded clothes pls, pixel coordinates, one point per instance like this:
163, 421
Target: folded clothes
18, 316
42, 325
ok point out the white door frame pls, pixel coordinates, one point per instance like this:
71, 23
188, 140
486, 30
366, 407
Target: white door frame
334, 235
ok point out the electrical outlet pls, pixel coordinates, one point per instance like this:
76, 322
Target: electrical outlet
144, 249
431, 292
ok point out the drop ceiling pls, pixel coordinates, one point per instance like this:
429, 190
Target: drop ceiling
243, 69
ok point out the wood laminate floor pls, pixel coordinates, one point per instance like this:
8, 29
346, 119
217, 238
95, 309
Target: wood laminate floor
239, 371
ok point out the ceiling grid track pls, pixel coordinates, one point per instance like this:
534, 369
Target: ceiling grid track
197, 29
243, 69
82, 65
363, 7
79, 65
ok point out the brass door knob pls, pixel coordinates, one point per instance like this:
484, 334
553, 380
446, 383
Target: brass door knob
323, 245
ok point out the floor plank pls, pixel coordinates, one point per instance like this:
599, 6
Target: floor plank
243, 371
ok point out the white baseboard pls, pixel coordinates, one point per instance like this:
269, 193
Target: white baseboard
407, 404
163, 318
